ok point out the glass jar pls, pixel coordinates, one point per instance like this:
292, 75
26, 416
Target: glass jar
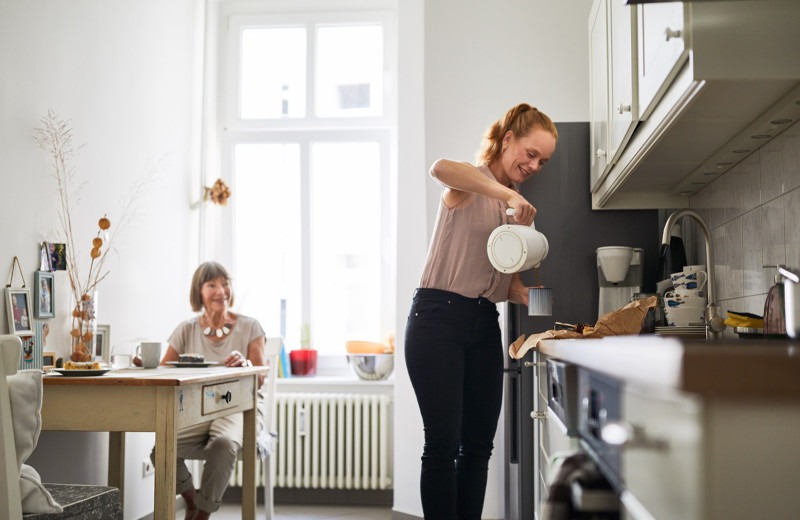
84, 328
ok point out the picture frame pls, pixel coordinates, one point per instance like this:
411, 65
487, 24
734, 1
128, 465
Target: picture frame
102, 343
48, 360
58, 256
18, 307
44, 295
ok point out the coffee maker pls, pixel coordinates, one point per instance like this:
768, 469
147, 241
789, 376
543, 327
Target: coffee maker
619, 274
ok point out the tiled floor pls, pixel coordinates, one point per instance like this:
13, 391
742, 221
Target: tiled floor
298, 512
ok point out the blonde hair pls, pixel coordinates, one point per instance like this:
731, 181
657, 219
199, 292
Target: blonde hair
520, 120
206, 272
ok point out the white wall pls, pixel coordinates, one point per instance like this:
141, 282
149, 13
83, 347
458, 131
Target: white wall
479, 60
124, 74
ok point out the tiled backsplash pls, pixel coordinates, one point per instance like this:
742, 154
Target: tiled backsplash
753, 212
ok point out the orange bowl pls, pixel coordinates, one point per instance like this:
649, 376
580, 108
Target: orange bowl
365, 347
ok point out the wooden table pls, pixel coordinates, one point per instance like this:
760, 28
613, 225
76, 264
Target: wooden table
163, 400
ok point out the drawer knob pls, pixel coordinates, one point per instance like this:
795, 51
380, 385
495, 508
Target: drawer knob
672, 33
227, 397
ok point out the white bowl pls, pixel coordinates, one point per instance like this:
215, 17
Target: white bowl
684, 316
679, 300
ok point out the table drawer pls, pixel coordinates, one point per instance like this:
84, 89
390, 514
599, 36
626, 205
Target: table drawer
222, 396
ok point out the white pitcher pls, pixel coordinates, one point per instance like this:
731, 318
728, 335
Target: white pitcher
513, 247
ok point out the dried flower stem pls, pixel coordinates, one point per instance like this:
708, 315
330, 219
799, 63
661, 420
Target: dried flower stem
55, 138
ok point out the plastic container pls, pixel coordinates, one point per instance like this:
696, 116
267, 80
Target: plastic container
304, 362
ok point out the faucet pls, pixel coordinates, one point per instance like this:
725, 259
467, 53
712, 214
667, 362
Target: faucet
715, 323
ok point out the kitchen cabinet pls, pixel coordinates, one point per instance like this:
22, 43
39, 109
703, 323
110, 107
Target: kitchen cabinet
661, 50
598, 88
709, 83
709, 430
613, 94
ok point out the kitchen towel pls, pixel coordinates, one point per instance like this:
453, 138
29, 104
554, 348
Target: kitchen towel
625, 321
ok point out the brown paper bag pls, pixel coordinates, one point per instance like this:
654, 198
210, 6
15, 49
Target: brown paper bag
625, 321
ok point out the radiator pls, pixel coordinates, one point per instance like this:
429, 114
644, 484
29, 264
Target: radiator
329, 441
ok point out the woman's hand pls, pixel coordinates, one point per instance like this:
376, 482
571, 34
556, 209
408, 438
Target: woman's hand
517, 291
236, 359
524, 210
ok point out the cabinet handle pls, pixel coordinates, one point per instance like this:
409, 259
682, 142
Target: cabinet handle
530, 364
627, 435
538, 415
672, 33
600, 152
623, 108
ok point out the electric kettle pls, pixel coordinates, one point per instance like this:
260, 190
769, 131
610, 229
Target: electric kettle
513, 247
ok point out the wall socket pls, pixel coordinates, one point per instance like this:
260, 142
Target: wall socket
147, 467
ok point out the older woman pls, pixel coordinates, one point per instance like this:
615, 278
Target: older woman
220, 335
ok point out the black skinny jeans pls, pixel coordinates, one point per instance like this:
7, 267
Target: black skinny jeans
454, 358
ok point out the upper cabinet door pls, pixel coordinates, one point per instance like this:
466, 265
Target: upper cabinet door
624, 109
598, 85
663, 48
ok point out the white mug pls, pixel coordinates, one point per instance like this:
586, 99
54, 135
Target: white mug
692, 284
150, 352
689, 269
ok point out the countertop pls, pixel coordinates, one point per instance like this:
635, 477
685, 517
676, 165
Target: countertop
755, 369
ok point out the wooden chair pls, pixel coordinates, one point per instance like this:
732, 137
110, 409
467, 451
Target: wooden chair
272, 351
78, 501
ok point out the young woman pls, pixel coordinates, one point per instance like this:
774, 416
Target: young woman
453, 350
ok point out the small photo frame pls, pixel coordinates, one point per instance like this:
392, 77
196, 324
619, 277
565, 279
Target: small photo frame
102, 343
18, 305
44, 257
43, 295
58, 256
48, 360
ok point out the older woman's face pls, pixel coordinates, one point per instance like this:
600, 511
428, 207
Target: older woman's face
216, 294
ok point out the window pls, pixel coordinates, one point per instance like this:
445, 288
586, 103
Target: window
306, 126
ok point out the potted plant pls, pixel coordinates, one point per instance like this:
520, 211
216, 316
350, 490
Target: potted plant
304, 361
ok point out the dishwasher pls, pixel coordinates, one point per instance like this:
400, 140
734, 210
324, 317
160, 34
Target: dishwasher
564, 443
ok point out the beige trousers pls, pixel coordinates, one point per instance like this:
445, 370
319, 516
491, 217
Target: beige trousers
218, 443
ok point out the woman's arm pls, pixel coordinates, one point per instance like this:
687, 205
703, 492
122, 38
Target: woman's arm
169, 355
460, 178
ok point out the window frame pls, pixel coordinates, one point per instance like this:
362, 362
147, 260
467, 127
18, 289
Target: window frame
228, 129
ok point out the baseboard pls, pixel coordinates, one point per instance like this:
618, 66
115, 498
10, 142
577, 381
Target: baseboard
364, 497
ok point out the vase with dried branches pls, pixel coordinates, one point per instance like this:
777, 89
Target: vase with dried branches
55, 138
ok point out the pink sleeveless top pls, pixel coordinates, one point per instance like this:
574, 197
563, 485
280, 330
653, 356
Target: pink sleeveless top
457, 258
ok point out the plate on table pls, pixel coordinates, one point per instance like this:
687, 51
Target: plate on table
80, 373
192, 364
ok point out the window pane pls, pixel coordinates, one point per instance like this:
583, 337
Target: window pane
350, 71
345, 244
267, 236
273, 73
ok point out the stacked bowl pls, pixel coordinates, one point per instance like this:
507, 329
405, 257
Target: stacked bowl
685, 304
